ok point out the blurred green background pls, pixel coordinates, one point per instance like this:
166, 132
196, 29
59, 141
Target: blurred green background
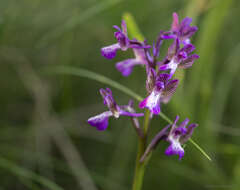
45, 140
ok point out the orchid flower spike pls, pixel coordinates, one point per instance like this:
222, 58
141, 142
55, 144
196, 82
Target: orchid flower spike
161, 91
101, 121
123, 42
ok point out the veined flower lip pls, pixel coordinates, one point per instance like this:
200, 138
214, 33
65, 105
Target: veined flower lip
152, 102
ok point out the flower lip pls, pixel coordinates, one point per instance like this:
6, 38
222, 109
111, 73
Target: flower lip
100, 121
109, 52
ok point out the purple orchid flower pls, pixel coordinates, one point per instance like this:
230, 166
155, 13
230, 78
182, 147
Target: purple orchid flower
178, 57
183, 30
126, 66
101, 121
123, 43
177, 136
161, 90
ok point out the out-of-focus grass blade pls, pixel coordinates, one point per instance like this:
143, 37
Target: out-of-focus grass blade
22, 172
200, 149
29, 184
195, 7
236, 181
75, 21
184, 171
95, 76
230, 149
224, 84
100, 78
202, 73
133, 30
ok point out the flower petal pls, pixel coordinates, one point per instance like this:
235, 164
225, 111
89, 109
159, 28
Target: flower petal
169, 91
186, 22
109, 52
186, 33
164, 67
123, 40
175, 23
188, 62
189, 133
173, 49
117, 28
126, 66
163, 77
188, 48
100, 121
184, 123
151, 79
110, 102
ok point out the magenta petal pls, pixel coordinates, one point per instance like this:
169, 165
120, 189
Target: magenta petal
163, 77
169, 91
175, 23
143, 103
188, 48
108, 99
184, 123
100, 121
109, 52
175, 148
189, 133
188, 62
186, 22
164, 67
126, 66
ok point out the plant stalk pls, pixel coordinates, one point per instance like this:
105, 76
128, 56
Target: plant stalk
140, 167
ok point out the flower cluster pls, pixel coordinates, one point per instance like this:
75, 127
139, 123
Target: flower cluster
160, 82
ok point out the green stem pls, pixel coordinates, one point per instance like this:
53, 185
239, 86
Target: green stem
140, 167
